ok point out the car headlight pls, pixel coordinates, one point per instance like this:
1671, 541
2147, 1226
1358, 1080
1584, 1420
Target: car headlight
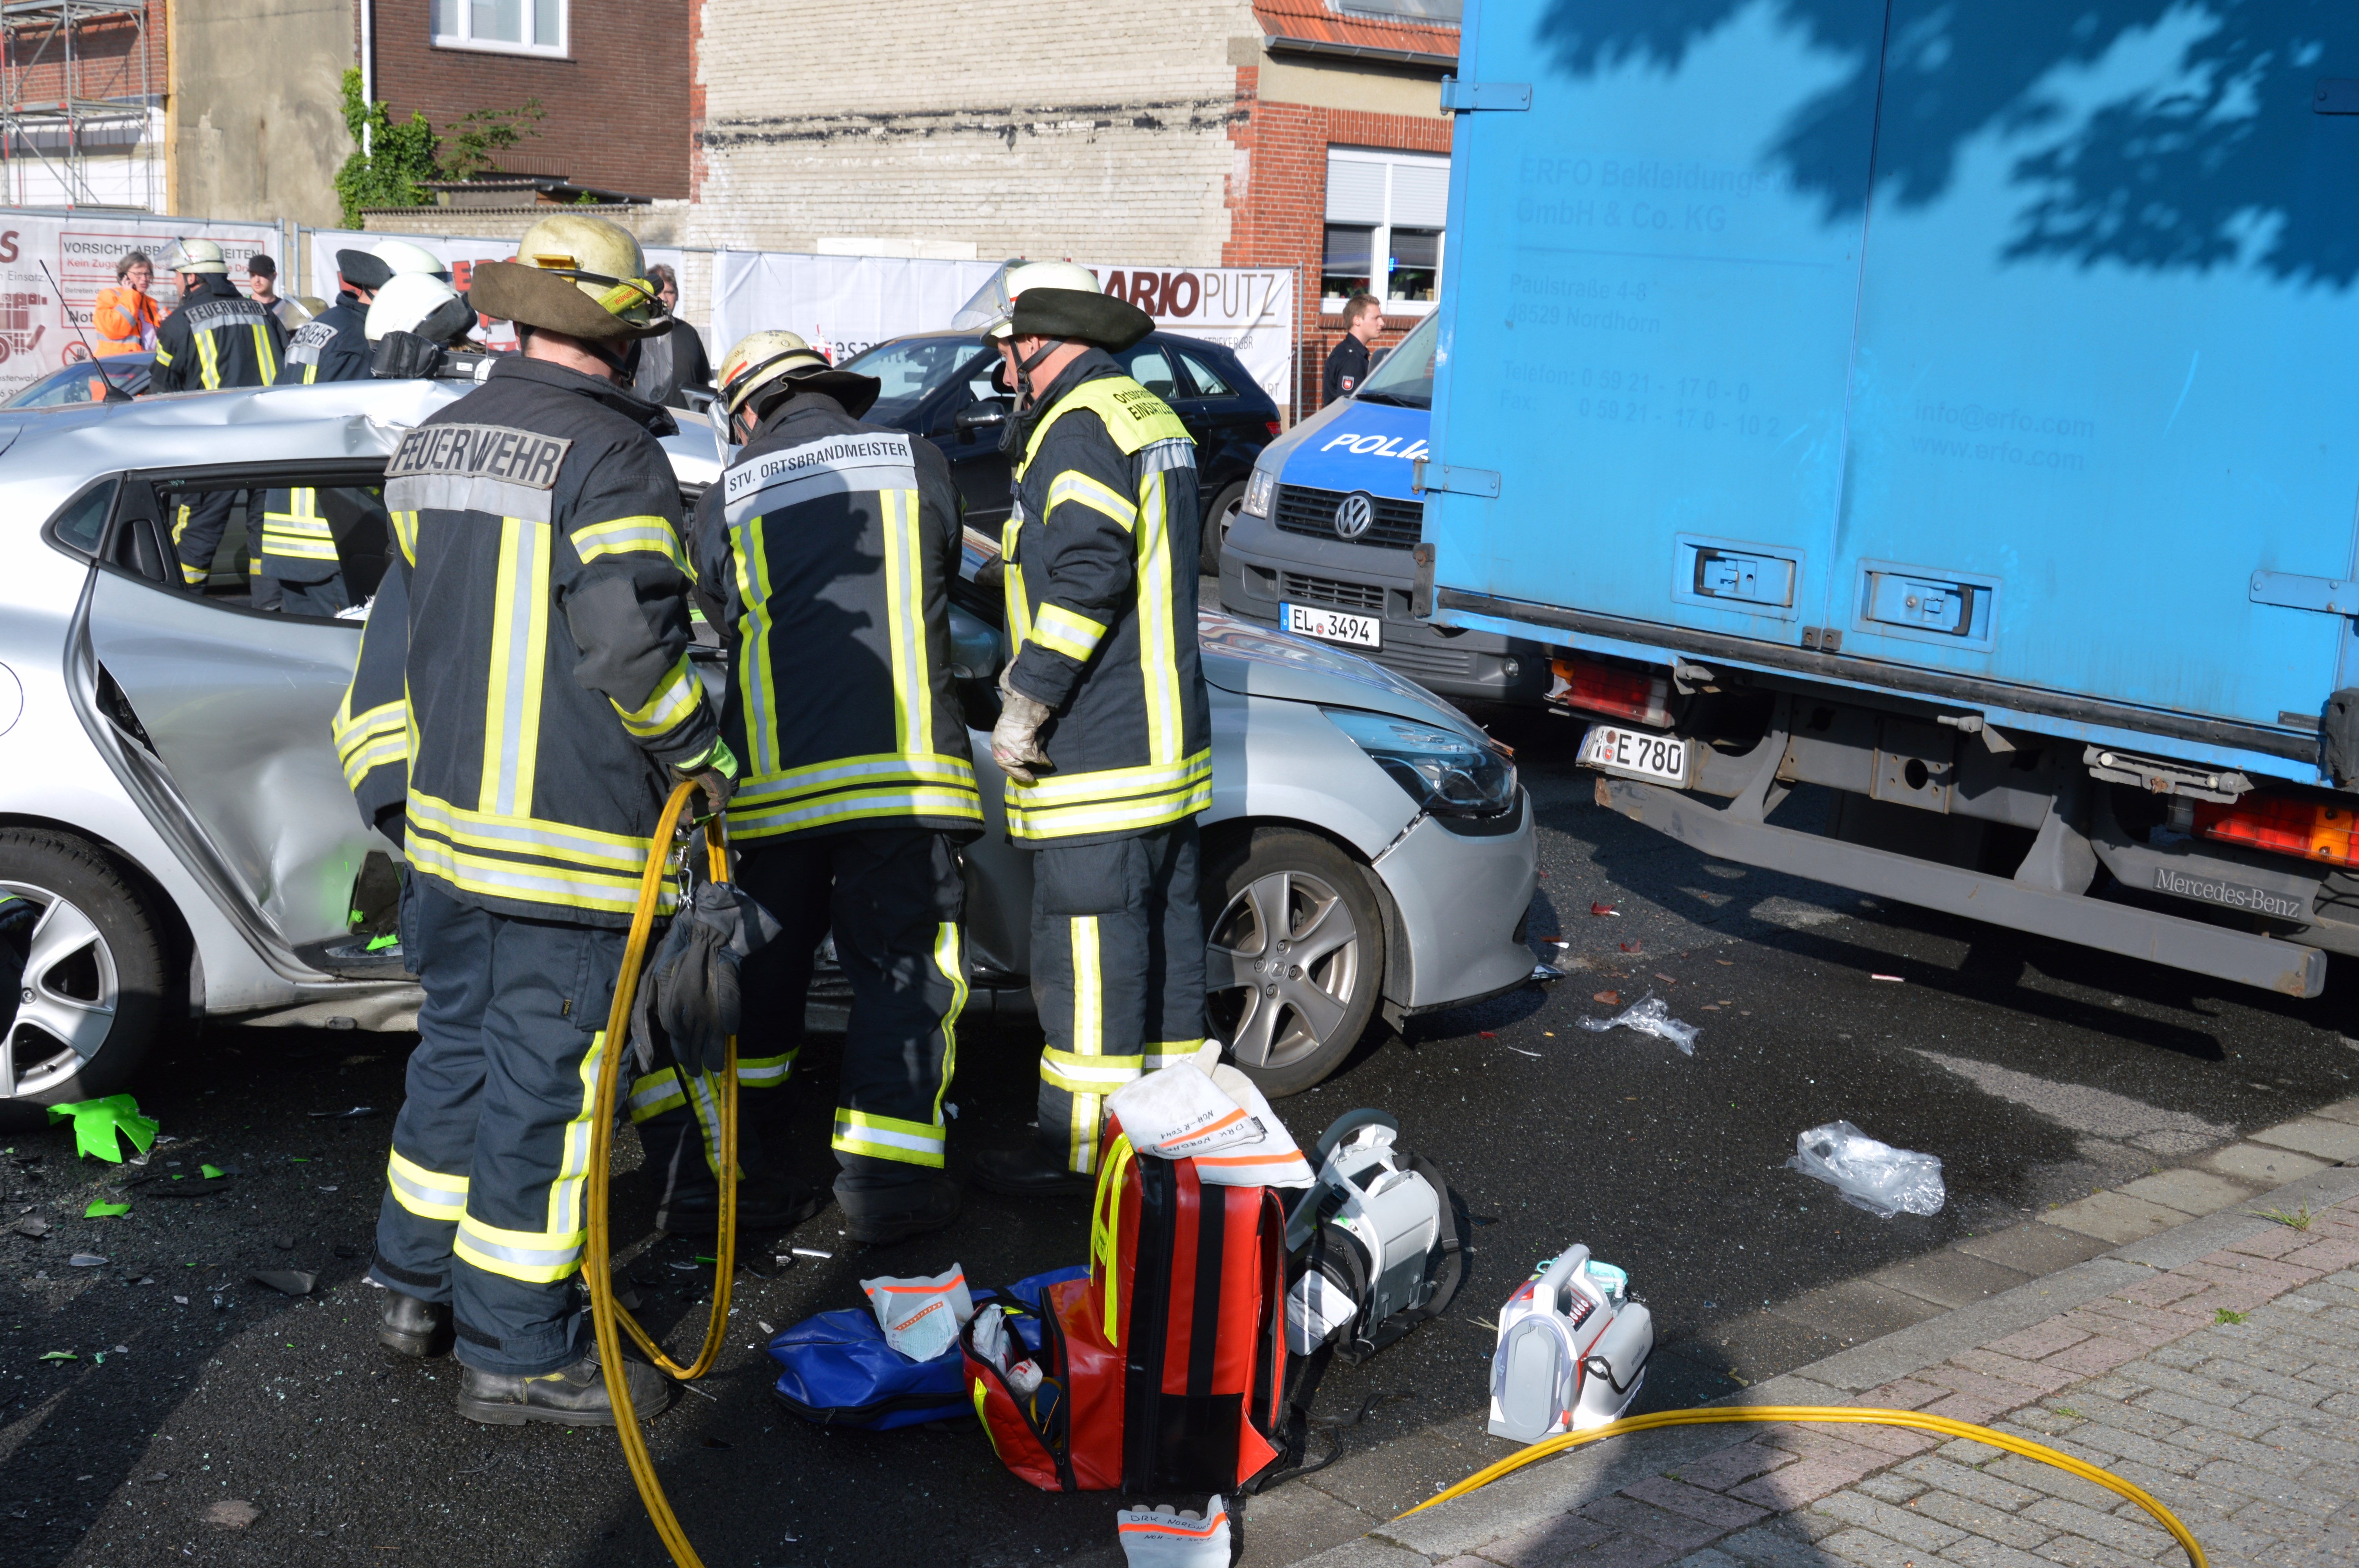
1446, 772
1260, 490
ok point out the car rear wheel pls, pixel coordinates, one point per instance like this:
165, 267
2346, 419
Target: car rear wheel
1294, 955
1218, 519
87, 996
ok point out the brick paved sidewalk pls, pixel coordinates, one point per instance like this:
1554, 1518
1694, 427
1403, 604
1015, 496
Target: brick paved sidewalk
2223, 1379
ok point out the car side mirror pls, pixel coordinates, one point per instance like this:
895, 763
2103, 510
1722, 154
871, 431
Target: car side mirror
988, 415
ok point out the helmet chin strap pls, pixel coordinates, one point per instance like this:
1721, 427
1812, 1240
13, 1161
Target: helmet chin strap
1024, 368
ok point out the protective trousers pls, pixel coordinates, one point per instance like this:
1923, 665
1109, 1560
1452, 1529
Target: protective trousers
484, 1204
198, 524
893, 899
297, 556
1117, 975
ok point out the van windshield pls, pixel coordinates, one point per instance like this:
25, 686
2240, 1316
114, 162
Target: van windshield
1406, 378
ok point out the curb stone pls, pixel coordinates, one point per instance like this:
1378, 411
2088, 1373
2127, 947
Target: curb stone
2111, 1331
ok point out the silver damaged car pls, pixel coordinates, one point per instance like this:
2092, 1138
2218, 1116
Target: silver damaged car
174, 810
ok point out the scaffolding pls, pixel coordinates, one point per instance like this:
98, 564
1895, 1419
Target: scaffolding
89, 61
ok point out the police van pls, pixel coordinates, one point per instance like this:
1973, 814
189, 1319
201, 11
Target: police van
1324, 543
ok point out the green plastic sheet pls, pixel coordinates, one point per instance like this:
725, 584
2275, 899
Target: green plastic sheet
97, 1121
105, 1210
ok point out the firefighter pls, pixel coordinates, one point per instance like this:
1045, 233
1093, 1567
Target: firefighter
333, 345
1103, 731
214, 338
826, 552
549, 706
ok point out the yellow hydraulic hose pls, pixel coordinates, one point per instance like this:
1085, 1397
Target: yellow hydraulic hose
1943, 1424
596, 1262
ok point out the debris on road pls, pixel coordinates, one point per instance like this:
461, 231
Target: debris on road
59, 1356
810, 1252
1634, 947
96, 1123
1543, 973
1895, 979
105, 1210
1647, 1015
356, 1114
1601, 909
286, 1282
1610, 999
85, 1260
32, 1224
1875, 1176
231, 1513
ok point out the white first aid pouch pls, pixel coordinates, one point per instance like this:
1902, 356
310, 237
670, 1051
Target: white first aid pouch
920, 1317
1167, 1538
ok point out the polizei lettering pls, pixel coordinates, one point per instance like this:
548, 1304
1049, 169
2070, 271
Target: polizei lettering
838, 451
480, 452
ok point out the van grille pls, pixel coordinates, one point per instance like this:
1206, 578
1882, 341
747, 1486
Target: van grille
1301, 509
1328, 590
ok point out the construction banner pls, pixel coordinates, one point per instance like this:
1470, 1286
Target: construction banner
42, 332
1248, 310
463, 252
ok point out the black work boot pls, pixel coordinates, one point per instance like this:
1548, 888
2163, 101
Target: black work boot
1029, 1173
764, 1204
882, 1216
407, 1326
571, 1396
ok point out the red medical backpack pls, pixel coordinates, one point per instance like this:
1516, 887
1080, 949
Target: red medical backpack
1163, 1370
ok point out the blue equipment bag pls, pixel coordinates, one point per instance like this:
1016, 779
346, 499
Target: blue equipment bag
835, 1368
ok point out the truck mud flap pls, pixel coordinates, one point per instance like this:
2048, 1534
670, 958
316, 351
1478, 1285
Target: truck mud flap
2242, 957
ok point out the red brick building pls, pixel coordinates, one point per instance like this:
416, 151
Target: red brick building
613, 76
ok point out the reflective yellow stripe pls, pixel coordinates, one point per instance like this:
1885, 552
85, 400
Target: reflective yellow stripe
566, 1192
191, 577
263, 357
311, 373
1076, 486
1089, 1039
530, 836
905, 605
675, 701
1111, 800
299, 533
1158, 654
877, 768
888, 1138
519, 640
1089, 1074
429, 1194
163, 355
1161, 1053
1105, 1234
656, 1093
622, 536
596, 871
405, 531
377, 753
208, 363
353, 729
766, 1072
1060, 630
1108, 783
951, 962
753, 647
965, 806
536, 1257
1011, 578
704, 1101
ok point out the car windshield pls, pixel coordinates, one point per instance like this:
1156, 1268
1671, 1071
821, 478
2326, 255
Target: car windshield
1406, 376
909, 370
75, 383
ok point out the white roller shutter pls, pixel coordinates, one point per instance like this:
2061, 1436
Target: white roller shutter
1421, 194
1356, 189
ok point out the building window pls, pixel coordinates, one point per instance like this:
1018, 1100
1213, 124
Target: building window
1384, 228
512, 27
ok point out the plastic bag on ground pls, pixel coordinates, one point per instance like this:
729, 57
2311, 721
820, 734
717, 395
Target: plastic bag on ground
922, 1318
1875, 1176
1165, 1537
1647, 1015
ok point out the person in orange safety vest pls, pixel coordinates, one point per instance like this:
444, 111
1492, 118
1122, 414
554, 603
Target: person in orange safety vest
126, 318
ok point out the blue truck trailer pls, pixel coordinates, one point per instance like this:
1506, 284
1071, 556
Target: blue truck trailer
1951, 405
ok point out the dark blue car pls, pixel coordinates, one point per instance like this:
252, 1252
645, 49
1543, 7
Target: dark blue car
939, 386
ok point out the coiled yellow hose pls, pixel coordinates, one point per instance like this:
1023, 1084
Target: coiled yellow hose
1943, 1424
597, 1265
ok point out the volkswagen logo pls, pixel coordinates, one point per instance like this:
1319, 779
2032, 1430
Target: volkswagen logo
1355, 515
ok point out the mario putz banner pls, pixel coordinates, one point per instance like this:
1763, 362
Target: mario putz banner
37, 336
463, 252
846, 304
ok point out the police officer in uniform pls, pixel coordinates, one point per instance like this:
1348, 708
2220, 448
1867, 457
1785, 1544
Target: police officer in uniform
214, 338
827, 550
550, 706
1103, 731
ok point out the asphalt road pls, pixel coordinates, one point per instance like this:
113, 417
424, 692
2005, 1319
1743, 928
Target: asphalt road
2037, 1072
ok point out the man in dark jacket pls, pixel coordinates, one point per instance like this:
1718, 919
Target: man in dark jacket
1347, 362
826, 552
550, 705
1103, 731
671, 362
214, 338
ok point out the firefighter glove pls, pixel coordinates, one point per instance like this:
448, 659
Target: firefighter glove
715, 773
691, 988
1015, 739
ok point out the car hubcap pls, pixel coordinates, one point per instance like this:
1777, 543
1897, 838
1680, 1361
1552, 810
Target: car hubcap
65, 1001
1284, 959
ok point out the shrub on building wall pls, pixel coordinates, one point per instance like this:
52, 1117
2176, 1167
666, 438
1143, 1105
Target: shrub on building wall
396, 158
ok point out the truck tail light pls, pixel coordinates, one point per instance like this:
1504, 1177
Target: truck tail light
2284, 824
1274, 427
1590, 686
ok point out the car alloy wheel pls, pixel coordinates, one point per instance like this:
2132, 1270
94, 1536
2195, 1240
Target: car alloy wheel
1293, 959
67, 997
1226, 508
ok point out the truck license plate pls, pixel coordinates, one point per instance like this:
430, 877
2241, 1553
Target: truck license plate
1333, 626
1636, 755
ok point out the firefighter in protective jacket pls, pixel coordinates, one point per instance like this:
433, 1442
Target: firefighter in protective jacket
214, 338
1103, 731
826, 552
549, 704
